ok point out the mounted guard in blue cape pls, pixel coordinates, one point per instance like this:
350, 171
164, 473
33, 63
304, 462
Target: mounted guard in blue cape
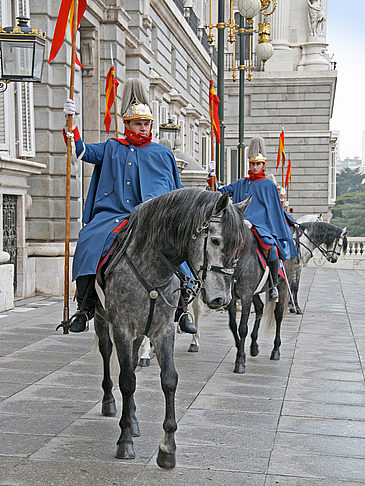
127, 172
270, 224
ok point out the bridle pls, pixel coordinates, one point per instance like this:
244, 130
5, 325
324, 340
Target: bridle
226, 271
328, 254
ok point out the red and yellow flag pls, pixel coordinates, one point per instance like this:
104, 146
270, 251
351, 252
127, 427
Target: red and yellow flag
66, 12
110, 92
213, 112
281, 151
288, 174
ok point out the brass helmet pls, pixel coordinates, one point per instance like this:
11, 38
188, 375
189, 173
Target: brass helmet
135, 105
256, 150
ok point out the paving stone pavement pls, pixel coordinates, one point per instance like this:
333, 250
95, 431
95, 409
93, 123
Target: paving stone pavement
299, 421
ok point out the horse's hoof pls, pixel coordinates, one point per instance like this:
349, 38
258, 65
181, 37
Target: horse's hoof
292, 310
254, 350
108, 408
299, 311
275, 355
144, 362
193, 348
125, 451
135, 432
165, 460
239, 369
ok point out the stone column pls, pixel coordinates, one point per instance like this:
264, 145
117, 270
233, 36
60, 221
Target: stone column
282, 59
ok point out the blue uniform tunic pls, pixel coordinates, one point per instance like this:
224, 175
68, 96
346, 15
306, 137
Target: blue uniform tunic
265, 212
123, 177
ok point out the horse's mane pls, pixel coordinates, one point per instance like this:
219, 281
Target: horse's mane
175, 216
322, 232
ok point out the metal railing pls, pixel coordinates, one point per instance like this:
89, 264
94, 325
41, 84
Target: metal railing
180, 5
228, 62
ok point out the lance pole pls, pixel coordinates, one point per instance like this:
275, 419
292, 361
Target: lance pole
66, 297
115, 92
212, 143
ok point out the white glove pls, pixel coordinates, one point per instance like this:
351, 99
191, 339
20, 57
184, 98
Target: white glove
69, 108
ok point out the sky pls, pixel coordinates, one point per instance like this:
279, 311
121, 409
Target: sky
346, 39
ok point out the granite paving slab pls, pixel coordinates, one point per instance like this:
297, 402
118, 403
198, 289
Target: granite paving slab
299, 421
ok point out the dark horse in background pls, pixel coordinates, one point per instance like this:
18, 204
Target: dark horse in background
328, 239
251, 279
142, 286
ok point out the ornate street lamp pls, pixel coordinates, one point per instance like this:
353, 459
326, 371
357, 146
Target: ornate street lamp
248, 9
169, 130
21, 53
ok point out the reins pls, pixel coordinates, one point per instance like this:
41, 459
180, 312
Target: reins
327, 254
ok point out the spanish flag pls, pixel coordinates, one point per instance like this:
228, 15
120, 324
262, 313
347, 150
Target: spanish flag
288, 174
110, 91
213, 112
66, 11
281, 152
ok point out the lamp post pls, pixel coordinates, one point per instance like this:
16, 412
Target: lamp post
21, 53
170, 130
248, 9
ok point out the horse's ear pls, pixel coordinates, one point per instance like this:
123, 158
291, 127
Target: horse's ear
242, 206
344, 231
221, 204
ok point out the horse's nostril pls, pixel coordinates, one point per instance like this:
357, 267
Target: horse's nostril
216, 303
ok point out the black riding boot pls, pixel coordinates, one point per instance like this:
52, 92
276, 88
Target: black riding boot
84, 285
182, 318
274, 269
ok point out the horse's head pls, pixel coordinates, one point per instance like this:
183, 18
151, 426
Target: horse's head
222, 240
338, 245
328, 239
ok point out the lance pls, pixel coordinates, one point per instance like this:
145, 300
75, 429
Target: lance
115, 92
212, 143
66, 297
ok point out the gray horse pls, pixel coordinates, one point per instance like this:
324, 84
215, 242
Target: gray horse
142, 284
327, 238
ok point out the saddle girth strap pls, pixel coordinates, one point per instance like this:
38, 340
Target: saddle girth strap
152, 291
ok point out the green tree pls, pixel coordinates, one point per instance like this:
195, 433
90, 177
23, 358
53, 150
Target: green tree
350, 211
350, 180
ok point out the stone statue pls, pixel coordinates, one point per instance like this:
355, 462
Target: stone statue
316, 18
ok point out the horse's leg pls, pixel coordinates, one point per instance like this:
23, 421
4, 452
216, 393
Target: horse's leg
259, 307
279, 312
294, 284
194, 345
127, 386
108, 408
164, 348
145, 355
239, 334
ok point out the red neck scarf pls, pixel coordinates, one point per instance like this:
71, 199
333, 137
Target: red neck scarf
256, 177
137, 140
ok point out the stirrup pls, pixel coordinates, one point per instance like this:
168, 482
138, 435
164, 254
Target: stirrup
274, 293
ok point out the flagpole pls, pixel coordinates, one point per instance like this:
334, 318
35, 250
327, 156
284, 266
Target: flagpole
115, 92
66, 298
115, 104
212, 142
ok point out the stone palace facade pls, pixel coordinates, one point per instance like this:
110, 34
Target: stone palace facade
164, 43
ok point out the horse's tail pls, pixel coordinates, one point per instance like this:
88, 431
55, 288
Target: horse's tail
268, 320
268, 316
